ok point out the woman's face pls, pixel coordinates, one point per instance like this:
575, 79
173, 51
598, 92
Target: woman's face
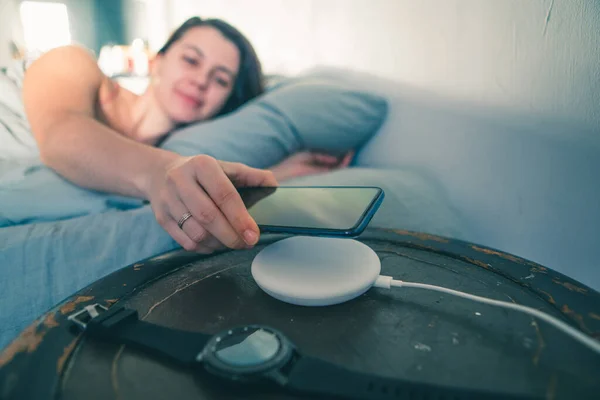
196, 75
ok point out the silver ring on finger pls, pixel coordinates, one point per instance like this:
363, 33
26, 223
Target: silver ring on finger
184, 218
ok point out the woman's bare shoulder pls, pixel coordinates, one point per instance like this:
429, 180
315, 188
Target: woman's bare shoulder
73, 54
70, 76
72, 61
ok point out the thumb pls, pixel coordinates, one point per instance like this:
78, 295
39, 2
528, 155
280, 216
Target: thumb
243, 175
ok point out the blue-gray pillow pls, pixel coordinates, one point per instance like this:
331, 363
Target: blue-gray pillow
298, 114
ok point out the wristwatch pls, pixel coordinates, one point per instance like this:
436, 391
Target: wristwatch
256, 354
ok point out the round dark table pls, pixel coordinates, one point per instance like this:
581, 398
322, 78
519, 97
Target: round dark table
415, 334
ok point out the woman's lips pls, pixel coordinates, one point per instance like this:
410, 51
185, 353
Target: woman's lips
191, 100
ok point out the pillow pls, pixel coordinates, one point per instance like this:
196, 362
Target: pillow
294, 115
298, 114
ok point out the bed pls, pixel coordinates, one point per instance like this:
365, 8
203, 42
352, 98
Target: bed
56, 238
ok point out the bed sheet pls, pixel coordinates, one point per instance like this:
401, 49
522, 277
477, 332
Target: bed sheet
43, 263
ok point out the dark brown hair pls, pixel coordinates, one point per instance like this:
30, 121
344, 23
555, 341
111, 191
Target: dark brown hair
249, 81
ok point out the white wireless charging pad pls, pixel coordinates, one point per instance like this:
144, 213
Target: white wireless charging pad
316, 271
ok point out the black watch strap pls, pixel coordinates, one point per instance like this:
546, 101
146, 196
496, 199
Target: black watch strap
318, 377
306, 374
122, 325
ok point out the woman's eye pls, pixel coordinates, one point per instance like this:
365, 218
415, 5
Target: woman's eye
222, 82
190, 60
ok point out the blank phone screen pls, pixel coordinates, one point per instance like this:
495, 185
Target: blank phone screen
336, 208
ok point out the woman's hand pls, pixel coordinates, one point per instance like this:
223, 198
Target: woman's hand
308, 163
206, 188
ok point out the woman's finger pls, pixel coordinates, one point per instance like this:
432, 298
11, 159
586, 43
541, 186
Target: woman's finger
213, 243
346, 160
214, 178
319, 169
191, 227
325, 158
191, 236
210, 216
183, 239
207, 193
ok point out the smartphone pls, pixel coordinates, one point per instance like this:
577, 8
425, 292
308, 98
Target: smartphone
338, 211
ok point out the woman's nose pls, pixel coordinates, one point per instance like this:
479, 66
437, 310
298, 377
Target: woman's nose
201, 79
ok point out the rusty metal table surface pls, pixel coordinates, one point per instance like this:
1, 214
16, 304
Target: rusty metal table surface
415, 334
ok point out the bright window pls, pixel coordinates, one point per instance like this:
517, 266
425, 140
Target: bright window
45, 25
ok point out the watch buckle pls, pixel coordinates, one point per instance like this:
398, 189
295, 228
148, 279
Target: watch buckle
83, 316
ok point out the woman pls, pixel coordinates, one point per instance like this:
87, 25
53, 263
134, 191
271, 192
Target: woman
103, 137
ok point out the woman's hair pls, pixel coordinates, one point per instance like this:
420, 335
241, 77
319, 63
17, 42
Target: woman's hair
249, 81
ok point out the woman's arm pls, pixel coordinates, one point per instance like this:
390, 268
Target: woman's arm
309, 163
60, 91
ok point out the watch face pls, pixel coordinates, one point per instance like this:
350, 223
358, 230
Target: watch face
246, 352
248, 347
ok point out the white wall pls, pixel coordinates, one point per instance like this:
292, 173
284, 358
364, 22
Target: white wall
159, 21
538, 56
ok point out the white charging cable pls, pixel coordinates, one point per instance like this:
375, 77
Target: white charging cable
387, 282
